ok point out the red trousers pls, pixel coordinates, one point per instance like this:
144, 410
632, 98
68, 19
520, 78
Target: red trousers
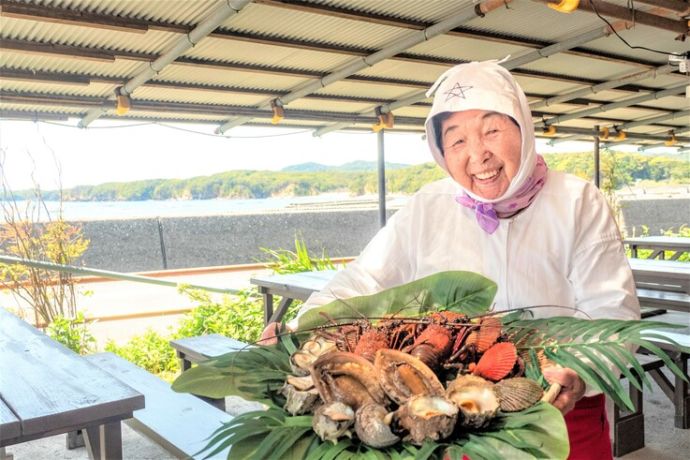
588, 430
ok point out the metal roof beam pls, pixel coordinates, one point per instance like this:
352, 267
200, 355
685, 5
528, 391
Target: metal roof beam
678, 89
678, 26
634, 124
509, 64
110, 55
84, 80
611, 84
585, 132
220, 14
417, 37
15, 9
679, 6
20, 10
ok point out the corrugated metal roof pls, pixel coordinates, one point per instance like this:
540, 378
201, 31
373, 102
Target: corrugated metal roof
272, 48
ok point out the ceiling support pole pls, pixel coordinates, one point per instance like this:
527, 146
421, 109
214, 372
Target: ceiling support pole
381, 169
597, 163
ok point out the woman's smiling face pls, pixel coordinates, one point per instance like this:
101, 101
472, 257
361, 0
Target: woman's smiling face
482, 151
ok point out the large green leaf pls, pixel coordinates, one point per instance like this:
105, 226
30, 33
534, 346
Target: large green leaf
460, 291
253, 373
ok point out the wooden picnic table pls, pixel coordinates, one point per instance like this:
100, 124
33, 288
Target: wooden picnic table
47, 389
290, 287
659, 244
663, 275
654, 274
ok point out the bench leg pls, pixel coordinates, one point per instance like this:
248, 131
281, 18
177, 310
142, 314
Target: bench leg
4, 455
104, 442
74, 439
681, 396
284, 304
185, 364
628, 429
268, 307
218, 403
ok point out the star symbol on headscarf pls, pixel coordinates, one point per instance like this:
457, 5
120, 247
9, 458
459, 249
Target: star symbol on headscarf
456, 91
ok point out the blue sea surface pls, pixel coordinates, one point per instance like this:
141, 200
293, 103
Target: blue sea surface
108, 210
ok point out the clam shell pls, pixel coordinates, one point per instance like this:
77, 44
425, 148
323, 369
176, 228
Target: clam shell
497, 361
518, 393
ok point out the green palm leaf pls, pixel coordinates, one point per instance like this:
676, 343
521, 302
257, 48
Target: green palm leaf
465, 292
596, 349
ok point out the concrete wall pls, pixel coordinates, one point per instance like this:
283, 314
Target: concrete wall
134, 244
657, 214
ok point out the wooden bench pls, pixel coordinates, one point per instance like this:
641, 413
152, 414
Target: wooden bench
191, 350
10, 427
629, 427
664, 300
180, 423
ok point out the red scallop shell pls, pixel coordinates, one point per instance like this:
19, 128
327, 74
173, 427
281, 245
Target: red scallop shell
490, 330
497, 362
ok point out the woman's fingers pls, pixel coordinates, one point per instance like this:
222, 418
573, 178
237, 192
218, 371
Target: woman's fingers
269, 336
572, 387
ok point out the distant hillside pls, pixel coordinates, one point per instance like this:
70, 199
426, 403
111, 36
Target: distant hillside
360, 178
353, 166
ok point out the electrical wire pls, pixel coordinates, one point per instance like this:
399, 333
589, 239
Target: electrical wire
232, 137
632, 11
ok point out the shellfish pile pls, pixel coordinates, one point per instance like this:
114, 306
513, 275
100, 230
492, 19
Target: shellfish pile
408, 380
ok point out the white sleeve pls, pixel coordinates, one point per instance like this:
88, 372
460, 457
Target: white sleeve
385, 262
600, 272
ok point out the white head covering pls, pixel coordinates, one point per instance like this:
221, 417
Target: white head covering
483, 86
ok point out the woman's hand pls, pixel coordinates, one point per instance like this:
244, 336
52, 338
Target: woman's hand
270, 334
572, 387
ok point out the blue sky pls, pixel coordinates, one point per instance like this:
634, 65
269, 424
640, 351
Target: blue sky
115, 151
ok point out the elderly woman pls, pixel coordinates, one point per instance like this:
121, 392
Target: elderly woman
545, 238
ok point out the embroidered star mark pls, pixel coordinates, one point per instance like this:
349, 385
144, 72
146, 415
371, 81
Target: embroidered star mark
456, 91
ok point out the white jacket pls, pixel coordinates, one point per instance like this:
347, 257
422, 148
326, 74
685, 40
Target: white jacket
564, 249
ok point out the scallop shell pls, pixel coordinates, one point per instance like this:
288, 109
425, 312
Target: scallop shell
489, 331
518, 393
497, 361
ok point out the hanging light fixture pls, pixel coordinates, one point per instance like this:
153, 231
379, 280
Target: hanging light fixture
122, 102
278, 111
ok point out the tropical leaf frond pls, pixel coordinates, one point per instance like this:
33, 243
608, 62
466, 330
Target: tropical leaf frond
464, 292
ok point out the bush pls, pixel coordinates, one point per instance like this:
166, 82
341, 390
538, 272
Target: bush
238, 316
72, 333
286, 261
151, 351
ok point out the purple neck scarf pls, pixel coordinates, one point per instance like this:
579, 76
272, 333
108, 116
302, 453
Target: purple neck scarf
488, 213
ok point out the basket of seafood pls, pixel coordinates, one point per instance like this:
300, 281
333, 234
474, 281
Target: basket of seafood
423, 370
